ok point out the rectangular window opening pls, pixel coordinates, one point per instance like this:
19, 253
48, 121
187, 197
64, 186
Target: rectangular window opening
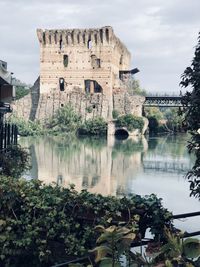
65, 60
62, 84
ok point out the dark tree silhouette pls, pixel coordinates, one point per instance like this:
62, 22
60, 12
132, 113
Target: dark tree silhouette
191, 101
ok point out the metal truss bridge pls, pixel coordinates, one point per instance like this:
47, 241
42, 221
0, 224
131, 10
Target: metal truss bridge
163, 101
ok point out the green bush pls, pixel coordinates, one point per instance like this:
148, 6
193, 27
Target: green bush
21, 91
65, 120
131, 122
27, 128
14, 160
115, 114
96, 126
46, 224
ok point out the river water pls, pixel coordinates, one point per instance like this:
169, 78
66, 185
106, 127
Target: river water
117, 167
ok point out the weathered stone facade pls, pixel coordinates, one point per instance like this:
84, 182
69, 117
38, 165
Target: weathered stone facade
81, 67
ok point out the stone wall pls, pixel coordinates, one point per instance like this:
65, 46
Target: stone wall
36, 106
41, 107
124, 103
80, 54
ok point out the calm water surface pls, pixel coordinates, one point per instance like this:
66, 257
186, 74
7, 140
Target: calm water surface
112, 167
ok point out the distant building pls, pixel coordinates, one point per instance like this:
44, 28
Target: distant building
6, 89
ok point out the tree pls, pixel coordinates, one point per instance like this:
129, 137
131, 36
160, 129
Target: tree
191, 102
154, 115
133, 86
174, 119
21, 91
154, 112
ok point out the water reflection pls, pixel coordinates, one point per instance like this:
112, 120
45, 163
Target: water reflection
116, 167
105, 166
99, 165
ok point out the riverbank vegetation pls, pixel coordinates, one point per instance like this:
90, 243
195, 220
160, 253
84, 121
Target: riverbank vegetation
67, 121
27, 128
165, 120
130, 121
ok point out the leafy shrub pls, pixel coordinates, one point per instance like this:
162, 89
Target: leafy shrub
65, 120
115, 114
89, 109
27, 128
96, 126
130, 121
21, 91
14, 161
46, 224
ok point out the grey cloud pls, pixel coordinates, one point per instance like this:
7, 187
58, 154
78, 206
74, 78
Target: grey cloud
160, 34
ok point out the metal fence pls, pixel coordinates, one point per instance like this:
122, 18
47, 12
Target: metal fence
8, 135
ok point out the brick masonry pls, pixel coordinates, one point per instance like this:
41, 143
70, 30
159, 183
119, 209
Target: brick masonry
80, 67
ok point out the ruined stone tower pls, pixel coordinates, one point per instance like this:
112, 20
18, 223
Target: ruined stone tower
79, 55
83, 68
88, 59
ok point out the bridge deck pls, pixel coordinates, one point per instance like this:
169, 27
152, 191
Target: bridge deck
164, 101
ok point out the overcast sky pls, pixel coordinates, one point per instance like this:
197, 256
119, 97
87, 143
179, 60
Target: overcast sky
160, 34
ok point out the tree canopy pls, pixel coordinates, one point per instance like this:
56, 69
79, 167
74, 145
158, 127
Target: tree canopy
191, 102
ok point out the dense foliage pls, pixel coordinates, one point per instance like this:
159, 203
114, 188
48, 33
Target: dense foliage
65, 120
21, 91
164, 119
130, 121
134, 87
191, 101
174, 120
44, 224
27, 128
115, 241
115, 114
96, 126
14, 160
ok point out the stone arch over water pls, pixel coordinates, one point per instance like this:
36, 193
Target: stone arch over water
121, 133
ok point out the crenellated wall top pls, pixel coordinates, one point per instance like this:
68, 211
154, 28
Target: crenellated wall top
70, 37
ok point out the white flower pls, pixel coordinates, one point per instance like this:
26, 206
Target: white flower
198, 131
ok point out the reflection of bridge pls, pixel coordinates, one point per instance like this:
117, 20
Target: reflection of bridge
164, 166
163, 101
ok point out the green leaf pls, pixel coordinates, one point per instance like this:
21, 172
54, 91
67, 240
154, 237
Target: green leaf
191, 248
111, 229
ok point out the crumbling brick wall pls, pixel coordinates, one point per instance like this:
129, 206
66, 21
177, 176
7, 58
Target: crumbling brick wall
79, 67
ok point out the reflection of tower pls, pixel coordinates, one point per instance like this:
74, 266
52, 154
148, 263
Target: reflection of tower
59, 179
100, 166
126, 161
